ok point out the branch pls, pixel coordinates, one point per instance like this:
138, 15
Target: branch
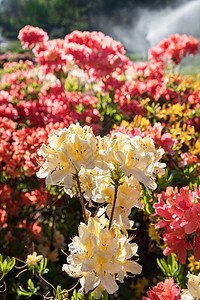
113, 207
82, 200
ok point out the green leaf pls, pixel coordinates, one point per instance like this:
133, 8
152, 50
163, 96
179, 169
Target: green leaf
1, 266
31, 285
23, 292
76, 296
10, 264
104, 295
4, 266
178, 271
42, 266
163, 266
150, 109
172, 261
59, 289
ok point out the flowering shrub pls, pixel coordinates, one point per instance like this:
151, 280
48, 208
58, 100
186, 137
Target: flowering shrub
114, 139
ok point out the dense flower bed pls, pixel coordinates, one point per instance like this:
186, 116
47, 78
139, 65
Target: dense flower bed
141, 118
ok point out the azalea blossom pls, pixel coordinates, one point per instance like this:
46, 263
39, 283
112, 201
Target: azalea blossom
32, 259
128, 196
180, 219
101, 256
74, 148
193, 288
174, 48
137, 157
30, 35
164, 290
185, 295
56, 168
194, 285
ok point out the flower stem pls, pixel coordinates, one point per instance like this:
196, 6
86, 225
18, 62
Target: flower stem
82, 201
113, 207
85, 297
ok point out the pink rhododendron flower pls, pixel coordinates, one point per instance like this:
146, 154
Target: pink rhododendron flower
29, 36
96, 52
50, 55
167, 290
187, 159
174, 48
180, 213
163, 140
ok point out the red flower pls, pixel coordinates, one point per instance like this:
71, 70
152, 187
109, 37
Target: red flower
29, 36
167, 290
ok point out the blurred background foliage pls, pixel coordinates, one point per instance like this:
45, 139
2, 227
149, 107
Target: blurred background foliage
60, 17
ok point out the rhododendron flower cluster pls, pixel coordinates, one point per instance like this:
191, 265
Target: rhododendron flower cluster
164, 291
51, 55
164, 140
95, 52
100, 256
180, 219
29, 36
77, 147
174, 48
96, 255
193, 288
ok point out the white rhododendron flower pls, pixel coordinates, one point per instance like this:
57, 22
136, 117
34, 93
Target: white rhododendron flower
185, 295
194, 285
74, 148
56, 168
32, 259
139, 158
107, 171
101, 256
77, 148
193, 288
128, 196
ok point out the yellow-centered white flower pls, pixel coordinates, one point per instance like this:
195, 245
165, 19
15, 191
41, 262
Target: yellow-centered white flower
127, 197
194, 285
74, 148
100, 256
137, 157
32, 259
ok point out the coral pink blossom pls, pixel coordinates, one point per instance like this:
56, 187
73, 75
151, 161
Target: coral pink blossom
95, 52
50, 55
163, 140
29, 36
180, 217
174, 48
187, 159
167, 290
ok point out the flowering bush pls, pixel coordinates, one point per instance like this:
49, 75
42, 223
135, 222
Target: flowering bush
114, 139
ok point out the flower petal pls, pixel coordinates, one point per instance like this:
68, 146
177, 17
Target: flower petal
109, 283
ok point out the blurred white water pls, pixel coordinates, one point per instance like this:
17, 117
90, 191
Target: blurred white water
3, 41
149, 27
183, 20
